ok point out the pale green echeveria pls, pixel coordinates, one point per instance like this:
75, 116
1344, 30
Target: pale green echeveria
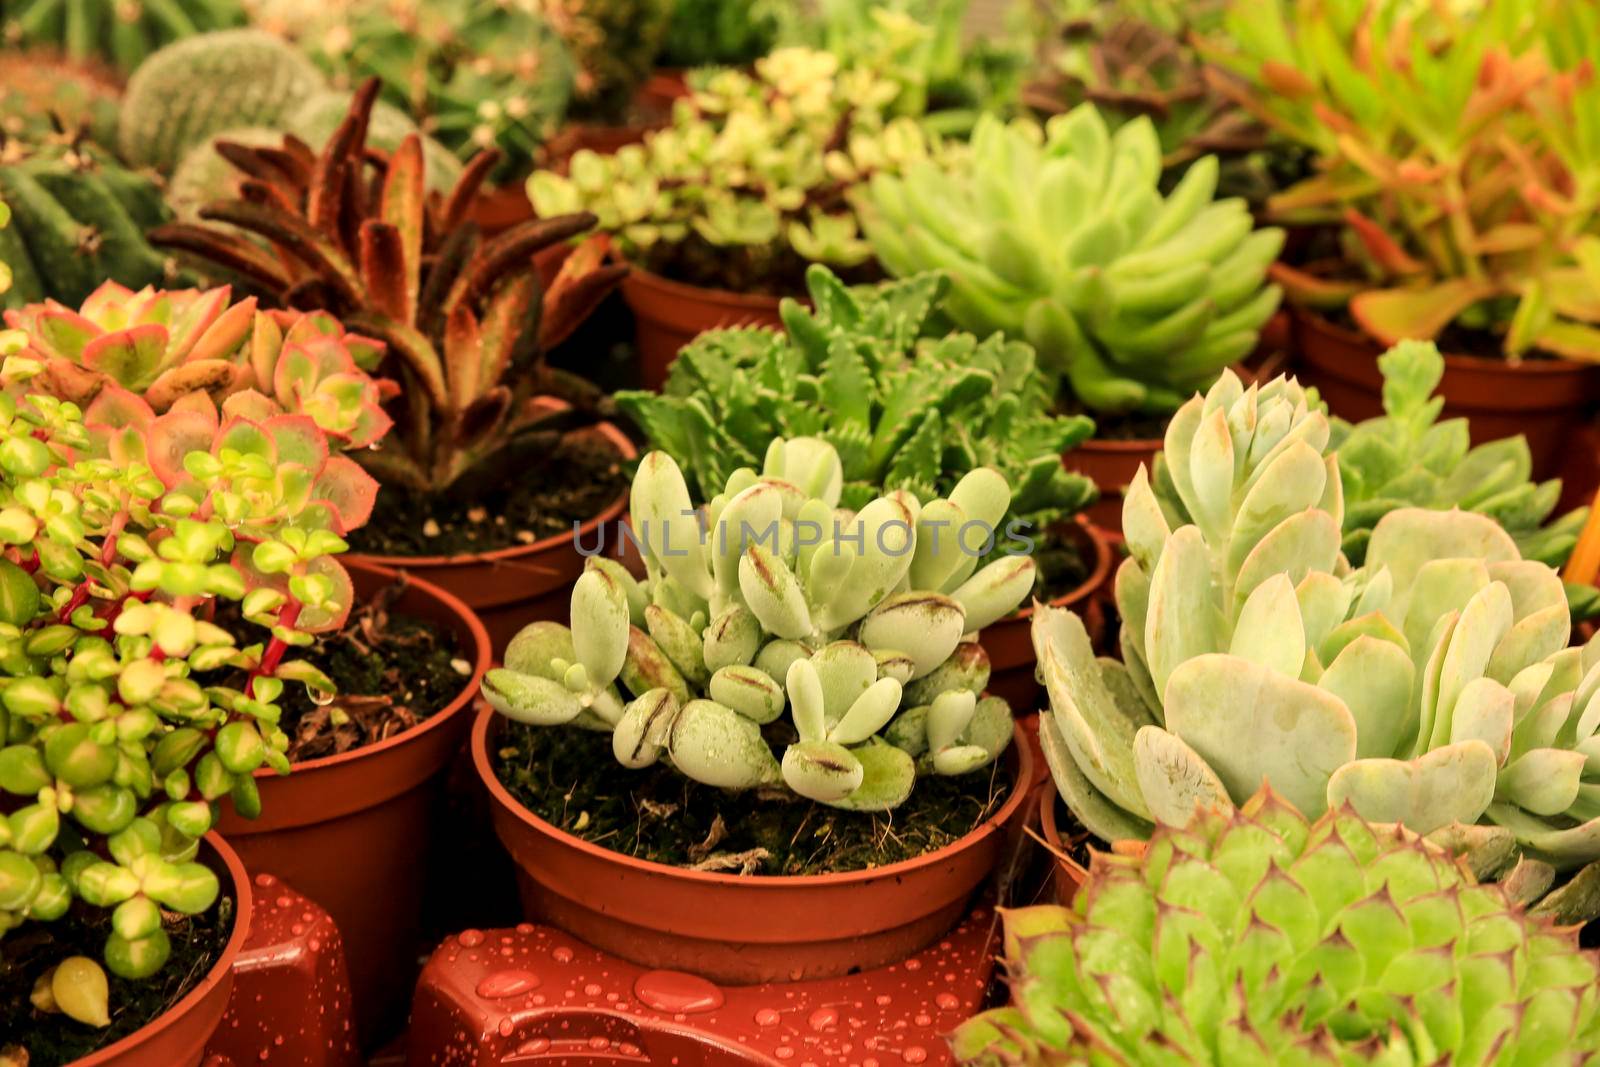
769, 601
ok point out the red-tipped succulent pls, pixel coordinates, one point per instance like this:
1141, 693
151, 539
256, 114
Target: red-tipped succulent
354, 231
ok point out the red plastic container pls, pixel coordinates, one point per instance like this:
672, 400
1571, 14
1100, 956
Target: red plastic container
746, 930
351, 831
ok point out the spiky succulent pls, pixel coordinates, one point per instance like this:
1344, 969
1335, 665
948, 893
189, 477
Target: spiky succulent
902, 411
122, 32
615, 44
149, 350
1062, 237
42, 94
850, 621
749, 181
1255, 937
465, 323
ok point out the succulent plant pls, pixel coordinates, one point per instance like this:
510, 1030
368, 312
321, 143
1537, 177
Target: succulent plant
749, 181
42, 94
485, 74
1407, 458
203, 85
1456, 148
122, 32
615, 44
125, 716
850, 622
724, 33
80, 219
1257, 937
146, 352
463, 319
1061, 237
901, 411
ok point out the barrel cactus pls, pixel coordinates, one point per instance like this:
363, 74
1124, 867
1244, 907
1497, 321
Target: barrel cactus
79, 219
203, 85
42, 94
850, 622
1257, 937
1061, 236
122, 32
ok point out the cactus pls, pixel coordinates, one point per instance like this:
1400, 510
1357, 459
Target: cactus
902, 412
122, 32
850, 622
731, 33
484, 74
750, 181
42, 95
1257, 937
615, 44
206, 84
1061, 237
464, 320
79, 219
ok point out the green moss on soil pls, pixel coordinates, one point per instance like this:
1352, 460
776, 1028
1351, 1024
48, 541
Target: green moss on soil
53, 1039
568, 777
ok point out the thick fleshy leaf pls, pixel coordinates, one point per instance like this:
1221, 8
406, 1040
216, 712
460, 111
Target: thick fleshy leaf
1451, 784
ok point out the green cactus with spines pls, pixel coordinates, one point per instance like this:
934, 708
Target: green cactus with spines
615, 43
42, 94
79, 220
123, 33
203, 85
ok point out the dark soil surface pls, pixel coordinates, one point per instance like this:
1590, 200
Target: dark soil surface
568, 777
1128, 426
53, 1039
754, 271
1062, 566
580, 479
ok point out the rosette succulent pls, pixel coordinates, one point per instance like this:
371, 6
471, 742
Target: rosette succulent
1256, 936
126, 716
850, 624
148, 350
902, 411
1062, 237
463, 320
749, 181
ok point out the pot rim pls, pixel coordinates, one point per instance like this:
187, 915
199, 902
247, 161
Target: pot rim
244, 904
996, 823
639, 276
1550, 366
1051, 832
439, 719
1097, 574
612, 434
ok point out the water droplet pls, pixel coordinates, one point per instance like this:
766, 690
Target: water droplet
265, 880
535, 1047
524, 928
470, 938
675, 992
783, 1052
883, 1000
914, 1054
947, 1001
599, 1043
506, 1026
823, 1019
767, 1017
913, 965
285, 901
591, 990
507, 984
320, 697
562, 955
923, 1019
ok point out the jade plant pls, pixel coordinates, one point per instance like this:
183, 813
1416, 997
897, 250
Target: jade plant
475, 76
1431, 687
1258, 936
903, 412
847, 625
1457, 147
143, 353
1062, 237
749, 181
707, 33
126, 715
464, 320
123, 33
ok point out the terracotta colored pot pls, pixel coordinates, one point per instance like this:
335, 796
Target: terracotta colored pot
1009, 642
668, 315
1066, 874
178, 1038
744, 930
351, 831
1545, 399
661, 90
604, 140
1111, 465
511, 587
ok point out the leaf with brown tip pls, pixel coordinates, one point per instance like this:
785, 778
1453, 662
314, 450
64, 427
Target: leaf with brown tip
383, 268
410, 347
404, 199
339, 156
577, 291
463, 357
297, 237
473, 175
512, 253
226, 250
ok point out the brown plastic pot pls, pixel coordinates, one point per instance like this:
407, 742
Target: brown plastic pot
1009, 642
668, 315
1544, 399
178, 1038
511, 587
741, 930
664, 88
1111, 465
351, 831
1066, 873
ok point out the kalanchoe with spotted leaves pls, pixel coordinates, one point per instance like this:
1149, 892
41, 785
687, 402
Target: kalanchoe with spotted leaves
1256, 938
851, 622
463, 319
126, 717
